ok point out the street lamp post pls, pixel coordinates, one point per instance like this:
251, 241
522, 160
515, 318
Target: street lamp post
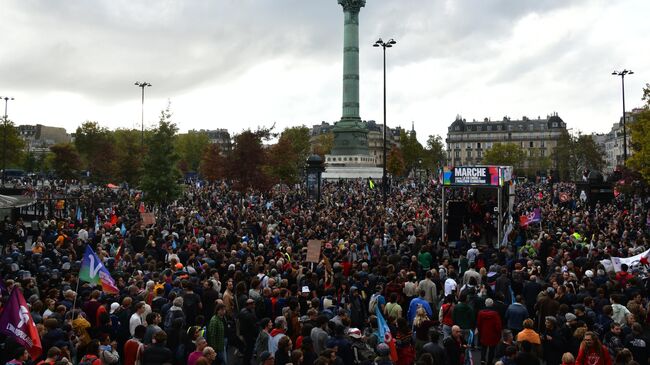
142, 85
622, 75
4, 139
384, 45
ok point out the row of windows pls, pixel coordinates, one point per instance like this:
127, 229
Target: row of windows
488, 145
498, 127
344, 159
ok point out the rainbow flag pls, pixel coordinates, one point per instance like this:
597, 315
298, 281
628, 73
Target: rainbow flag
93, 271
385, 335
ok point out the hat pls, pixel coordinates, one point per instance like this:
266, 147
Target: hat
473, 244
179, 266
250, 301
550, 290
383, 349
570, 317
589, 274
354, 333
114, 307
231, 267
305, 289
353, 288
304, 319
265, 355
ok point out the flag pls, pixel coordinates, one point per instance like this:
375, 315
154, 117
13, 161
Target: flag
371, 184
79, 216
123, 230
384, 334
93, 271
17, 323
142, 209
113, 219
96, 223
533, 217
200, 218
118, 254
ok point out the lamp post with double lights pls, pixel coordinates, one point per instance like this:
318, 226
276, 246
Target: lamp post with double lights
4, 138
384, 45
622, 75
142, 85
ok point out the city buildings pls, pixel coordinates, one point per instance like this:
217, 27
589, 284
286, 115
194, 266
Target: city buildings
221, 137
611, 143
468, 141
39, 138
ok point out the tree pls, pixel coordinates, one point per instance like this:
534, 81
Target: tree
412, 150
245, 164
160, 172
96, 146
299, 137
506, 154
283, 163
563, 157
13, 149
395, 164
323, 144
434, 156
190, 147
128, 161
65, 160
640, 139
212, 163
587, 153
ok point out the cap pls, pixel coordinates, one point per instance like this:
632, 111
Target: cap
570, 317
250, 301
114, 307
231, 267
589, 274
353, 288
305, 289
304, 319
179, 266
265, 355
550, 290
354, 333
473, 244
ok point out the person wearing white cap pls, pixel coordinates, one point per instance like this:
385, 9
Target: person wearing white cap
472, 253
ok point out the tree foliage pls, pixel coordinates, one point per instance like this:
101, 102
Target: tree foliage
65, 160
284, 163
575, 154
128, 161
212, 163
395, 164
245, 166
507, 154
323, 144
96, 147
160, 172
640, 139
14, 146
412, 150
191, 147
434, 156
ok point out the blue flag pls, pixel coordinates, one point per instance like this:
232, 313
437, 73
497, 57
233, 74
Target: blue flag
96, 223
79, 216
93, 271
123, 230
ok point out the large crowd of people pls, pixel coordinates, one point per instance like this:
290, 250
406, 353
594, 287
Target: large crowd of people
223, 277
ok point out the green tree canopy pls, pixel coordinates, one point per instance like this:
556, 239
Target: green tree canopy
434, 156
323, 144
507, 154
96, 146
412, 150
283, 163
212, 165
640, 138
190, 147
13, 148
245, 165
160, 172
65, 161
128, 161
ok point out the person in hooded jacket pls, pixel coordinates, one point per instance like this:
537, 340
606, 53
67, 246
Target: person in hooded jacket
488, 329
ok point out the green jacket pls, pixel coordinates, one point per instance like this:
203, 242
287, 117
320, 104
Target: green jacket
463, 316
216, 333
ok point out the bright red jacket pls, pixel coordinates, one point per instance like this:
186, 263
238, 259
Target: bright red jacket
489, 327
591, 357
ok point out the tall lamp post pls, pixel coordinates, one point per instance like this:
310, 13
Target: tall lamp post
142, 85
4, 139
384, 45
622, 75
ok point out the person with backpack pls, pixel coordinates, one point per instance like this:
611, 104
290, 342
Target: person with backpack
54, 356
92, 354
377, 300
176, 311
445, 315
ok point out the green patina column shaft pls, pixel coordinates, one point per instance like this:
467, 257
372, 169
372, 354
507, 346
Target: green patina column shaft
350, 135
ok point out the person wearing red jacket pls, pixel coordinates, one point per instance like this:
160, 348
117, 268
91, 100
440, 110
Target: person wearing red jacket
488, 328
592, 351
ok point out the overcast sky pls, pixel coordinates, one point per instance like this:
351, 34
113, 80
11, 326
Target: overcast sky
237, 64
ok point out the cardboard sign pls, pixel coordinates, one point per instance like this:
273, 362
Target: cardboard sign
313, 250
148, 218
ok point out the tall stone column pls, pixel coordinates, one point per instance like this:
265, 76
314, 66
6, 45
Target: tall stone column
350, 135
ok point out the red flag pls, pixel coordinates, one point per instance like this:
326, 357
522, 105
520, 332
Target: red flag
17, 322
113, 219
118, 254
142, 210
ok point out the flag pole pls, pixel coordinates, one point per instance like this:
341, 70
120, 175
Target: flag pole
76, 294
